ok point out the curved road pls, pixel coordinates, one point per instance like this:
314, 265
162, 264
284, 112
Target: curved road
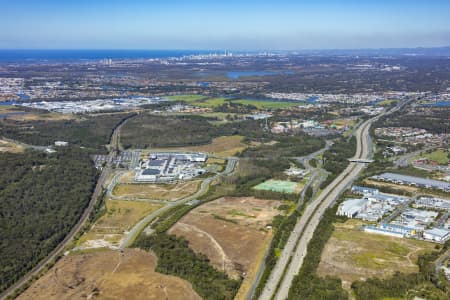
316, 208
292, 255
315, 178
291, 258
139, 227
312, 215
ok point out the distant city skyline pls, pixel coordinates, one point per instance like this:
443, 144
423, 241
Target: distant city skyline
232, 24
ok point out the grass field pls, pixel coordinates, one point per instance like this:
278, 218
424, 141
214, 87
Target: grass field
268, 104
352, 254
224, 146
199, 100
187, 98
120, 216
440, 156
33, 115
344, 122
386, 102
109, 275
4, 109
170, 192
279, 186
203, 101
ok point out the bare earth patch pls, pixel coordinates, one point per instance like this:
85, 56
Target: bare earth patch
6, 146
109, 275
407, 188
232, 233
352, 254
160, 191
109, 229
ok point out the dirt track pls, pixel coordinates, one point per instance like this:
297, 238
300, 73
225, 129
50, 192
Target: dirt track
109, 275
232, 233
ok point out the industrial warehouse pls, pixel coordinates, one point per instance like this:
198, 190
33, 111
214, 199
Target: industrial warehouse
413, 181
170, 166
422, 218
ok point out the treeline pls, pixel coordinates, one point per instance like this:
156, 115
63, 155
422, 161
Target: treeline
252, 172
307, 285
88, 131
147, 130
286, 146
425, 284
282, 226
437, 122
380, 164
176, 258
335, 159
235, 107
41, 198
167, 219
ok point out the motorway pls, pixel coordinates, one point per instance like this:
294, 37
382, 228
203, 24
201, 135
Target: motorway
291, 258
316, 177
304, 229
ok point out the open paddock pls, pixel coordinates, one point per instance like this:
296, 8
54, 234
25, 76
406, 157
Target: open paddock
232, 233
109, 229
352, 254
224, 146
159, 191
109, 275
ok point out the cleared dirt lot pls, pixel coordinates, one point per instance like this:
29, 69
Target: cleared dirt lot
18, 114
352, 254
232, 233
407, 188
6, 146
109, 275
109, 229
161, 191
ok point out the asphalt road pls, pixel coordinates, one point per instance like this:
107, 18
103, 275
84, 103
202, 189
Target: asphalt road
291, 258
139, 227
315, 177
67, 240
295, 249
69, 237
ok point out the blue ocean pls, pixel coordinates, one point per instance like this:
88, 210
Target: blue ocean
45, 56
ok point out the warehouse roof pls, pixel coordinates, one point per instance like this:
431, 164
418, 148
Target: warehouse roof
150, 172
416, 180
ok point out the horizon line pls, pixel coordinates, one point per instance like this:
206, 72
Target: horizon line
220, 49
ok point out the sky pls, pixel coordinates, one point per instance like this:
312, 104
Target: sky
226, 24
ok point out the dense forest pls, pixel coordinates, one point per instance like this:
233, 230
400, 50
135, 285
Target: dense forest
41, 198
286, 146
435, 122
88, 131
146, 131
176, 258
335, 159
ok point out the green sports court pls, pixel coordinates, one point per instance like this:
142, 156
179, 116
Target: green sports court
279, 186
